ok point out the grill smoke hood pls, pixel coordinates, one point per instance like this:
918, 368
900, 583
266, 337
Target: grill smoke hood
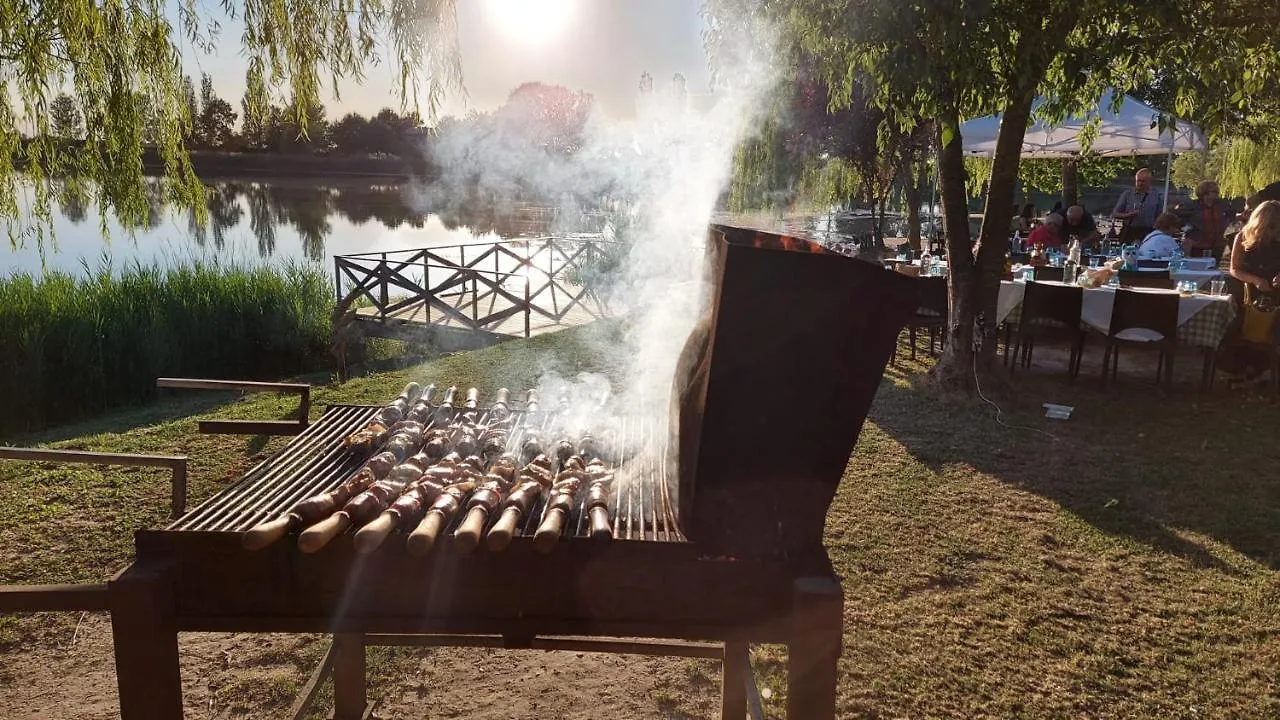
774, 385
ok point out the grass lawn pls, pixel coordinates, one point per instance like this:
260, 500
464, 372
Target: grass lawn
1128, 565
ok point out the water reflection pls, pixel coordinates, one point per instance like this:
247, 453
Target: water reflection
309, 209
251, 219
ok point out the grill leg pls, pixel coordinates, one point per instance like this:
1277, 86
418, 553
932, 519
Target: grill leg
348, 676
146, 644
733, 692
817, 637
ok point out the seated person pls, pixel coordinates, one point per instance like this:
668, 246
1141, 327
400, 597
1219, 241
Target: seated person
1160, 243
1046, 233
1023, 222
1080, 225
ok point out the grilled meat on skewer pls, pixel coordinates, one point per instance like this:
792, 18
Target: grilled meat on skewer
533, 480
564, 451
422, 410
493, 440
406, 510
437, 443
466, 443
532, 445
500, 410
444, 413
472, 405
562, 497
497, 483
368, 437
597, 502
445, 506
376, 495
315, 509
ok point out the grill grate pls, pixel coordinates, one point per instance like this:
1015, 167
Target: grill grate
643, 505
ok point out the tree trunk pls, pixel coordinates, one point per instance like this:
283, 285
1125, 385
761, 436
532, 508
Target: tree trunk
879, 230
1070, 182
955, 368
975, 281
914, 190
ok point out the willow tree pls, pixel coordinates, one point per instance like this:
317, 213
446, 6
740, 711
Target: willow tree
948, 61
121, 64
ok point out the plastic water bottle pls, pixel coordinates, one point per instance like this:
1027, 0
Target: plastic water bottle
926, 263
1072, 265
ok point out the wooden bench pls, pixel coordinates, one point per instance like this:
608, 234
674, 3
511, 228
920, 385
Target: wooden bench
248, 427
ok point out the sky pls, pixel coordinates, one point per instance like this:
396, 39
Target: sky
598, 46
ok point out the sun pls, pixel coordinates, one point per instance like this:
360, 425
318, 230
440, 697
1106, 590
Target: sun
531, 22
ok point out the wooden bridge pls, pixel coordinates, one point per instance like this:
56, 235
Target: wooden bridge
464, 296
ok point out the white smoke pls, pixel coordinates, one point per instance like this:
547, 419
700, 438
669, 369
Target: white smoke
660, 174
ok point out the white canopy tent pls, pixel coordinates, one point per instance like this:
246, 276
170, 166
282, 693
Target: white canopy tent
1132, 130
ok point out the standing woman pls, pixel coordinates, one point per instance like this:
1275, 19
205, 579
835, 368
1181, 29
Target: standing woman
1255, 268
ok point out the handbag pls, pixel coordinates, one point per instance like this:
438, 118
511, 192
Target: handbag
1259, 316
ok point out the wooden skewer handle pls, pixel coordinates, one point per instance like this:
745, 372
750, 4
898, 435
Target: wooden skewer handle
371, 536
500, 536
423, 537
601, 528
467, 537
263, 535
319, 535
549, 531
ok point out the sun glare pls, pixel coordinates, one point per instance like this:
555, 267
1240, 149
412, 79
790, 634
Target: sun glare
530, 21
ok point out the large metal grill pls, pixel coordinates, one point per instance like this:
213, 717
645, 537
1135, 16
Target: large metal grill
752, 478
315, 462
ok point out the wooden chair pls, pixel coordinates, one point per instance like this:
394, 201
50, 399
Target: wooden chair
1150, 313
1049, 311
1137, 278
1048, 273
931, 313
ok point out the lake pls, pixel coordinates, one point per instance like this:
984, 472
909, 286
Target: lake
271, 221
291, 220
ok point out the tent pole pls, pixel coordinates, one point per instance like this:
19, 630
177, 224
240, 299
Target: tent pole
1168, 172
933, 197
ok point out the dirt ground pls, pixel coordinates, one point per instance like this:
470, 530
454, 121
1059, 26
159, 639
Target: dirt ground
243, 676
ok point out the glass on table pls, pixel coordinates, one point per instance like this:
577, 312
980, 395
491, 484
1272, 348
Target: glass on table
1218, 286
1095, 261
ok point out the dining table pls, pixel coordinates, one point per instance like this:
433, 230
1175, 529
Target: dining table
1203, 319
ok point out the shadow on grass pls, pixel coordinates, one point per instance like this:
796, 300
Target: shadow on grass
1153, 467
171, 405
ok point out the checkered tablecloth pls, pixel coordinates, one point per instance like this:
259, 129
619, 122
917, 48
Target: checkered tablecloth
1202, 319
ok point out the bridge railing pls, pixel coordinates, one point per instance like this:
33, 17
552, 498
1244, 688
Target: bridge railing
480, 286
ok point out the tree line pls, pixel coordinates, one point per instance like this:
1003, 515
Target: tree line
213, 126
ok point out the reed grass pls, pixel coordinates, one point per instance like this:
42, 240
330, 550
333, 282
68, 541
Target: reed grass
75, 345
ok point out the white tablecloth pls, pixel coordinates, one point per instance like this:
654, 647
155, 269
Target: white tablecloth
1201, 277
1095, 310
